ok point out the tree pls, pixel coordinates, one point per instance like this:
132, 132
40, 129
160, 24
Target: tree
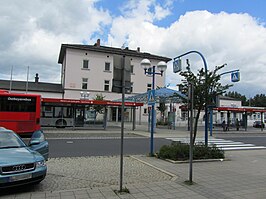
212, 85
162, 108
259, 100
98, 108
237, 95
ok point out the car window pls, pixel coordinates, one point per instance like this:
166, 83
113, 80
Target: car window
38, 135
9, 139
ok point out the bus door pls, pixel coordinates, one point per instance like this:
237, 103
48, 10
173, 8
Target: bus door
79, 115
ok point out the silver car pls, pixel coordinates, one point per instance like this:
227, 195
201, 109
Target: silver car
22, 164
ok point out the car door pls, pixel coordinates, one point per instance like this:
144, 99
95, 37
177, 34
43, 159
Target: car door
38, 143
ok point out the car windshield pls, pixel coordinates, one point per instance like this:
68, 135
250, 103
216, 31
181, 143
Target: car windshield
9, 139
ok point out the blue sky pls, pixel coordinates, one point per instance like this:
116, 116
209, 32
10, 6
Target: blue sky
224, 31
255, 8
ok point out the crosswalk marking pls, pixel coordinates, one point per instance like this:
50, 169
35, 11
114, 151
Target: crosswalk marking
226, 145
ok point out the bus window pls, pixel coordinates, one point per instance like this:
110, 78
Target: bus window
20, 112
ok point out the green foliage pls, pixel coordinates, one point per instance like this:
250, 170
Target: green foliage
259, 100
212, 85
99, 108
207, 87
162, 108
180, 151
162, 123
238, 96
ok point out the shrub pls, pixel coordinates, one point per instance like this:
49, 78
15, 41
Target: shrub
162, 123
180, 151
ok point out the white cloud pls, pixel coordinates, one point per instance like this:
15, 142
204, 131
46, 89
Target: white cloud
236, 39
31, 33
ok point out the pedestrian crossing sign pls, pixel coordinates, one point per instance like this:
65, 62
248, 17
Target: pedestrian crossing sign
235, 76
151, 97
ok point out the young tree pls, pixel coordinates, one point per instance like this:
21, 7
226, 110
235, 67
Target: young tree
212, 86
162, 108
98, 108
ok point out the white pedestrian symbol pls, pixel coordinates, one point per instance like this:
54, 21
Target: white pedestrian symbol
234, 77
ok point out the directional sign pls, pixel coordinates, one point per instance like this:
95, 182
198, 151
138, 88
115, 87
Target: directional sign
235, 76
151, 97
177, 66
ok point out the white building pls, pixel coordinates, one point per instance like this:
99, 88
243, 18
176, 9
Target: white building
90, 69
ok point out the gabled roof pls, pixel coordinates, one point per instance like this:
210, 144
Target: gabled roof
111, 50
32, 86
165, 94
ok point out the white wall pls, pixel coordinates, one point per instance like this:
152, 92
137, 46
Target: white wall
73, 72
96, 74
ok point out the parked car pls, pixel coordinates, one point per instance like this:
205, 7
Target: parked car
257, 124
22, 164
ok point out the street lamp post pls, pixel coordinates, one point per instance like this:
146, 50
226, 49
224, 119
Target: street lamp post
161, 67
206, 91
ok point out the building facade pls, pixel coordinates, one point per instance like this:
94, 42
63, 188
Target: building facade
88, 71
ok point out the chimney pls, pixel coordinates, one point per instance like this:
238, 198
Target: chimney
37, 78
138, 49
98, 43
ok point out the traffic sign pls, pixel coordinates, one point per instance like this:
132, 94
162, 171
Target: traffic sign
235, 76
151, 97
177, 66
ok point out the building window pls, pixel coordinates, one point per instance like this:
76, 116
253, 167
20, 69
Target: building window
131, 87
85, 64
106, 85
149, 86
149, 70
145, 110
84, 83
132, 69
107, 66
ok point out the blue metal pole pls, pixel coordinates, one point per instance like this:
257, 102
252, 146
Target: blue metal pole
152, 113
231, 71
206, 109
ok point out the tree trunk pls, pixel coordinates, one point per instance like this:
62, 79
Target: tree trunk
196, 125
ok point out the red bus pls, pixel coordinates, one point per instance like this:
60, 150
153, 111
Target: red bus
20, 112
75, 113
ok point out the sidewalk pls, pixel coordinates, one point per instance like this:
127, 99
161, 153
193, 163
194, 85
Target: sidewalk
114, 130
242, 176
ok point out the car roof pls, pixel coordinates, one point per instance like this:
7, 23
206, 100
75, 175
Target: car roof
3, 129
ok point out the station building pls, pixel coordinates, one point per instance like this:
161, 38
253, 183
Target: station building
88, 71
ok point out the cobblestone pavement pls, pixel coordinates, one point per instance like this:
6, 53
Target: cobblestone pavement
243, 176
92, 172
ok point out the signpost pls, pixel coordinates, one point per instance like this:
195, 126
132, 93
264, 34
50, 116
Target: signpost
177, 66
151, 97
235, 76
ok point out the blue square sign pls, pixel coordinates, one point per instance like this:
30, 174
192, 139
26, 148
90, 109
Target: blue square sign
235, 76
151, 97
177, 65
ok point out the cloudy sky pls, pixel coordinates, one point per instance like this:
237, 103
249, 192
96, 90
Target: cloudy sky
224, 31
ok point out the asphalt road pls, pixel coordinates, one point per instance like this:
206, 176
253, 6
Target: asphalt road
102, 146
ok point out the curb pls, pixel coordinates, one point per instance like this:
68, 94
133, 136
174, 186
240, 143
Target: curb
195, 161
173, 176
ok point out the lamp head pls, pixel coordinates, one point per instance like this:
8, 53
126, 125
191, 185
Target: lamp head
145, 64
161, 66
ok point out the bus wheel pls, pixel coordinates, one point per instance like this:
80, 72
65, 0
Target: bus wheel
61, 123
